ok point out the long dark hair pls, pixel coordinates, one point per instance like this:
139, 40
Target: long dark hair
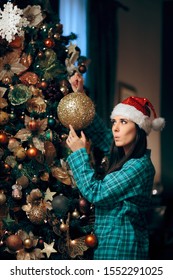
137, 150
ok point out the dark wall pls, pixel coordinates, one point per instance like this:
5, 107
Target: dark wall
166, 99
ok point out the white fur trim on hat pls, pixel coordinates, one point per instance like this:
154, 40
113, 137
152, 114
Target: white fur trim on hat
158, 124
131, 113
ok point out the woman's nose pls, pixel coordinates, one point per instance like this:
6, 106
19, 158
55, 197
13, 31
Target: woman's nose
116, 127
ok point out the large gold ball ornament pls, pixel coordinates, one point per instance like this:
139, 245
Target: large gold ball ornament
76, 109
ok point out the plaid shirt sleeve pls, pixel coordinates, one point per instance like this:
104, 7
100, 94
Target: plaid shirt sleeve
100, 135
131, 181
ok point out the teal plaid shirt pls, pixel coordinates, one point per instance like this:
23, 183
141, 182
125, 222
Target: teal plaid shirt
121, 200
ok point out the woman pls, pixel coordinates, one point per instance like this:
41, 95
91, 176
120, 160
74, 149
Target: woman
122, 197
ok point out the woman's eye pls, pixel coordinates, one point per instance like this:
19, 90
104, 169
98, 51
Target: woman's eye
123, 121
113, 122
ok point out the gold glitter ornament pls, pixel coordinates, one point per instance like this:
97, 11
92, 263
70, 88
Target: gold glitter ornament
4, 118
37, 214
77, 109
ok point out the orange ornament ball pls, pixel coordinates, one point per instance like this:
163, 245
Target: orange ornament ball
91, 240
42, 85
14, 242
7, 167
32, 152
40, 54
3, 138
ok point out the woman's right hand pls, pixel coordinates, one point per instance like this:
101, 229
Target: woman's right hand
74, 142
77, 82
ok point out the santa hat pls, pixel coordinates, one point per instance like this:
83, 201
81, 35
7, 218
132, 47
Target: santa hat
138, 110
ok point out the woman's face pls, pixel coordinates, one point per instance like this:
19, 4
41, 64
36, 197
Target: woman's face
124, 132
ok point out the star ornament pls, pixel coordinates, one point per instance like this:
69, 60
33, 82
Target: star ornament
8, 221
49, 195
48, 249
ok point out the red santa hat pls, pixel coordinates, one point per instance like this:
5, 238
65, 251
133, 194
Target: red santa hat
138, 110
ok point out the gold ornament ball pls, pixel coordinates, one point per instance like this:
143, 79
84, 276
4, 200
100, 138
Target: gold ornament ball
75, 214
76, 109
2, 198
28, 243
63, 227
20, 154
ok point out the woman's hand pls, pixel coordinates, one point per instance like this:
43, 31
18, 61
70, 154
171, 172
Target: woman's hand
76, 82
74, 142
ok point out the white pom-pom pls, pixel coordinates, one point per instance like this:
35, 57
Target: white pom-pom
158, 124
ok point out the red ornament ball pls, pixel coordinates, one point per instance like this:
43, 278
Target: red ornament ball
49, 43
40, 243
14, 242
33, 125
16, 43
84, 205
82, 68
91, 240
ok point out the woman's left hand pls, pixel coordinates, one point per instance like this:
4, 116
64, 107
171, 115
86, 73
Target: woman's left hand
74, 142
77, 82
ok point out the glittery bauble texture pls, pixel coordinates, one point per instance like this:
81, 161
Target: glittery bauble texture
76, 109
37, 215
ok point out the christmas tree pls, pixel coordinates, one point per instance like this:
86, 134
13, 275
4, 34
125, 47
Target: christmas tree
42, 213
